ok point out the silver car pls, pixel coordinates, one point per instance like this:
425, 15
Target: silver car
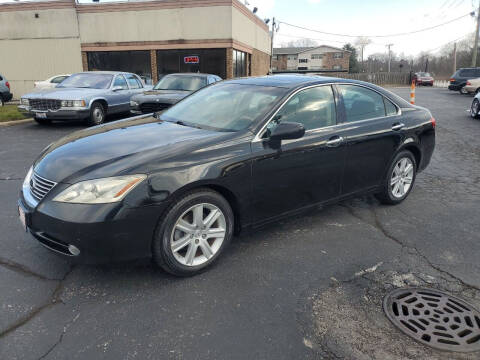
86, 95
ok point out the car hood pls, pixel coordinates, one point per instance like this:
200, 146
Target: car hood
123, 147
64, 93
168, 96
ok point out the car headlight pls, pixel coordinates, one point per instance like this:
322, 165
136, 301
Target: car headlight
25, 102
100, 191
133, 103
73, 103
26, 181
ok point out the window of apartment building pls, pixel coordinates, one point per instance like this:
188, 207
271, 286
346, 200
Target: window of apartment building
292, 57
137, 62
275, 57
302, 68
303, 60
239, 63
337, 67
316, 56
338, 55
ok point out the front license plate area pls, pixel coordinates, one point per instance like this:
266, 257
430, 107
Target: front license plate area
41, 115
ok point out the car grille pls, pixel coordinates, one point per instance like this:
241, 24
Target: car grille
45, 104
153, 107
39, 186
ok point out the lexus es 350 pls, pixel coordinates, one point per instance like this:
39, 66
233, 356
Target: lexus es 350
234, 155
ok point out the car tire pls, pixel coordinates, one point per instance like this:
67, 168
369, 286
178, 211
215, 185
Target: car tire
182, 228
1, 101
42, 121
475, 109
97, 114
394, 192
463, 91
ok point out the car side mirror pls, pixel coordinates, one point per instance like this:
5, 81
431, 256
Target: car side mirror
287, 131
117, 88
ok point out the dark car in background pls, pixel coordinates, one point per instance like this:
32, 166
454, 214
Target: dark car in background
423, 78
169, 90
234, 155
5, 93
459, 79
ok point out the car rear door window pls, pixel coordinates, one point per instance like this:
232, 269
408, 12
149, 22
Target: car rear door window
120, 81
133, 82
390, 108
361, 103
314, 108
468, 73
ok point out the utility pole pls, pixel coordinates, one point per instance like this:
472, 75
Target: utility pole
475, 45
271, 48
454, 57
389, 55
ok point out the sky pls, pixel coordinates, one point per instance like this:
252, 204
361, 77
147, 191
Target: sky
371, 18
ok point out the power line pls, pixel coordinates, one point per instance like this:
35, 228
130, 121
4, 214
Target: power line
445, 44
378, 36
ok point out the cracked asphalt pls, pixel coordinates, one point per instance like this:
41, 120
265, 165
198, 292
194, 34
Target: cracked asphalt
305, 288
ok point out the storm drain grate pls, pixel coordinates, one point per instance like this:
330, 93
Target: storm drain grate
434, 318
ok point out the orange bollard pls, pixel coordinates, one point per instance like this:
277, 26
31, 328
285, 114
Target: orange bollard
412, 93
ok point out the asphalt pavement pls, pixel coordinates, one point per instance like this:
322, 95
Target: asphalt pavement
304, 288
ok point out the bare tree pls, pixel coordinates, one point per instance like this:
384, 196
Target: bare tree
300, 43
361, 43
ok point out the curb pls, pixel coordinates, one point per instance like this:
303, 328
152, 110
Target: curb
15, 122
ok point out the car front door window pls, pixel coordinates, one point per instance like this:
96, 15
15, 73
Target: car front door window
313, 108
120, 82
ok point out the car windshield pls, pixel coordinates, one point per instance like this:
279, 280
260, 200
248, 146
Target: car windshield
88, 81
181, 82
424, 74
225, 107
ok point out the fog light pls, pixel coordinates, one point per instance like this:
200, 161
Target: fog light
74, 250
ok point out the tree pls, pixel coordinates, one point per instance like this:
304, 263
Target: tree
361, 42
301, 43
353, 64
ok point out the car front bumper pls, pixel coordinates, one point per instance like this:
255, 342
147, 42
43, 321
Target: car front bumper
62, 114
99, 233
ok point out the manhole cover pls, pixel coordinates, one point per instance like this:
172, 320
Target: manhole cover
434, 318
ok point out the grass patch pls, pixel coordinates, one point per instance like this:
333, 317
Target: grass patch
10, 113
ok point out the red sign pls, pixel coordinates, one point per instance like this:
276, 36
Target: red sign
191, 59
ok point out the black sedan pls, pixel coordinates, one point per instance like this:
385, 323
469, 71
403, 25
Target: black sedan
231, 156
170, 90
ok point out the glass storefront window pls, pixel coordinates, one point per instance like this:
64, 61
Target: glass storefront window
209, 61
239, 63
137, 62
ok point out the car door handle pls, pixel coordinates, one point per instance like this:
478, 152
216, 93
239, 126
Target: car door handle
334, 141
398, 126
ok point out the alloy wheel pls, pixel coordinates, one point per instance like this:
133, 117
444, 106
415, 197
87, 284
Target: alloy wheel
198, 234
474, 108
97, 115
402, 177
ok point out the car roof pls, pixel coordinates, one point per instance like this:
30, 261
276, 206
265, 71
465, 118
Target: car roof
291, 81
192, 74
105, 72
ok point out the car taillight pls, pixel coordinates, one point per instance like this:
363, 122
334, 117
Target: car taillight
8, 85
433, 121
469, 83
452, 80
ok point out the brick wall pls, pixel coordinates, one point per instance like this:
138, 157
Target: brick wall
229, 63
153, 66
329, 61
84, 61
260, 63
281, 63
